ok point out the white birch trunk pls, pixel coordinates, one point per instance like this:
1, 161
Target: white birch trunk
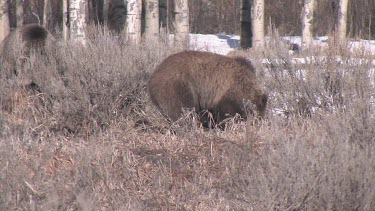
133, 21
181, 21
307, 23
19, 12
65, 19
4, 20
152, 19
77, 22
258, 23
45, 12
342, 19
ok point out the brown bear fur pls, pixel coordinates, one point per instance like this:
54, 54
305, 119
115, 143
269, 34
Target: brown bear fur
206, 82
23, 39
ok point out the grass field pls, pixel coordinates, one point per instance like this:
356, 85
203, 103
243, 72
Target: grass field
69, 141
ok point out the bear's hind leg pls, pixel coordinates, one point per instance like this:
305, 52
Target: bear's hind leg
177, 96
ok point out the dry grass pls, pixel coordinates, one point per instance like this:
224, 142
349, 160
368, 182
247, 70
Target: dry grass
72, 145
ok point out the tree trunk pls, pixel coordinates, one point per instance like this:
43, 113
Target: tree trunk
342, 19
152, 19
117, 13
4, 20
181, 21
133, 21
258, 19
45, 12
307, 23
102, 11
219, 15
91, 12
235, 15
19, 12
246, 25
77, 20
369, 26
65, 22
105, 10
163, 11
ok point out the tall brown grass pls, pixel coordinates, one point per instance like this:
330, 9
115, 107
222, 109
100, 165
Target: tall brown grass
71, 144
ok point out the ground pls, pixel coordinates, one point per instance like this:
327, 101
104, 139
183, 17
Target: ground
74, 146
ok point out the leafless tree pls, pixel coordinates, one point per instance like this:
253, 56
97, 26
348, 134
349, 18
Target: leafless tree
152, 18
216, 16
4, 19
19, 12
133, 21
181, 21
77, 20
65, 21
258, 20
307, 23
46, 9
342, 19
246, 25
117, 13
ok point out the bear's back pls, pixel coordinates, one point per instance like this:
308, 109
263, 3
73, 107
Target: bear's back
205, 67
209, 75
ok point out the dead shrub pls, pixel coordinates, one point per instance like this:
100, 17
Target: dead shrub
313, 151
85, 88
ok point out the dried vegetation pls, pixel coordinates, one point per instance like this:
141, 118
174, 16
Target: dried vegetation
70, 144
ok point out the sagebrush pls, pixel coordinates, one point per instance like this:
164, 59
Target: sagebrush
71, 144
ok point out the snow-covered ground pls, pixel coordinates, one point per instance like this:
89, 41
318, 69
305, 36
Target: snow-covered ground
222, 44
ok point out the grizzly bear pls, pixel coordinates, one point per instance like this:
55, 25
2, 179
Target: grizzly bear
23, 39
206, 82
